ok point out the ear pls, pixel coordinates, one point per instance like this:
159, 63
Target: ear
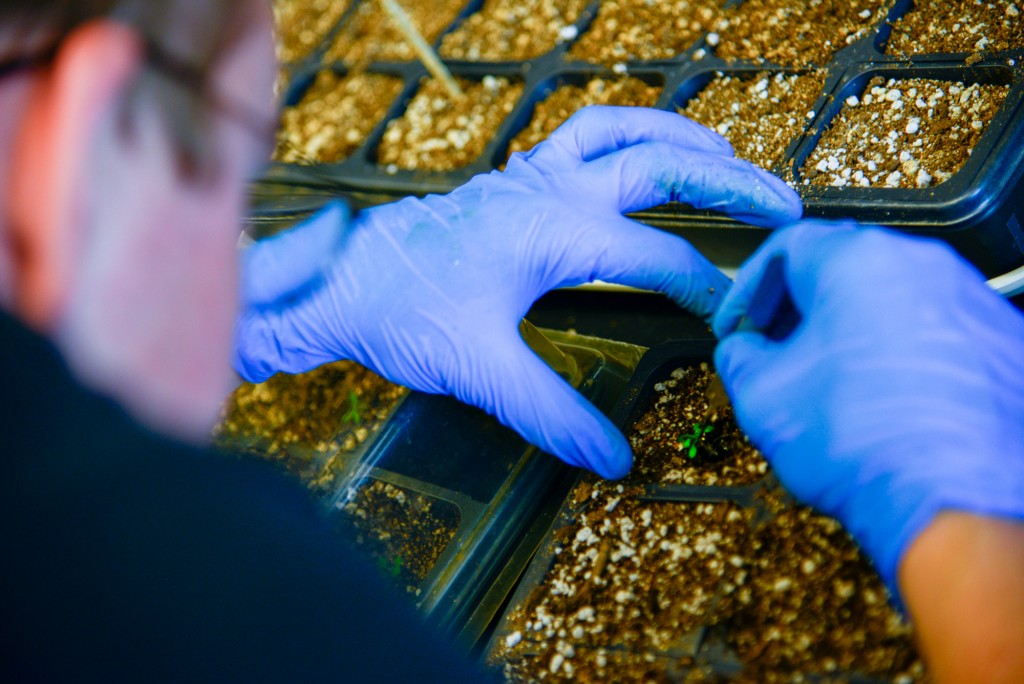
93, 67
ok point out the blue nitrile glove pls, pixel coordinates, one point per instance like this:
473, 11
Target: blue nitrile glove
899, 394
292, 263
429, 292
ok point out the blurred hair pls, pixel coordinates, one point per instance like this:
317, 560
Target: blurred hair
183, 38
193, 30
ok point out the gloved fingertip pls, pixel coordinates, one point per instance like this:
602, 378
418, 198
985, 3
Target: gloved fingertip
595, 444
282, 265
617, 468
778, 204
790, 206
337, 214
617, 458
739, 352
725, 321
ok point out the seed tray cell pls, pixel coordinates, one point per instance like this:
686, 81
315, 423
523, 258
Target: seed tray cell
436, 455
795, 32
436, 134
335, 116
959, 26
701, 584
312, 424
369, 35
627, 31
761, 112
513, 30
300, 26
407, 532
929, 129
975, 210
620, 575
566, 94
682, 430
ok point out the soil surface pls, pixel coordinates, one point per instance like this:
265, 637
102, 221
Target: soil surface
369, 35
556, 108
911, 133
760, 114
513, 30
301, 25
630, 577
814, 604
334, 117
680, 409
637, 30
794, 32
958, 26
642, 591
308, 422
439, 134
405, 532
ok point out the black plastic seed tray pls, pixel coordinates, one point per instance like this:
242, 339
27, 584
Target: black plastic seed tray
458, 495
699, 650
977, 210
450, 503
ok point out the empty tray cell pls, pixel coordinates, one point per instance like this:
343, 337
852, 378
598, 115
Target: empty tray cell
301, 25
405, 532
507, 30
334, 116
813, 604
439, 134
795, 32
687, 434
759, 113
370, 35
563, 102
905, 133
627, 575
637, 30
309, 422
957, 26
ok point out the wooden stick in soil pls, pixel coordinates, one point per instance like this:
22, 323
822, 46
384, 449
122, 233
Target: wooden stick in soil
426, 53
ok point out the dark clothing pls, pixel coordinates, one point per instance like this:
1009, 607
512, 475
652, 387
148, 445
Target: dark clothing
127, 557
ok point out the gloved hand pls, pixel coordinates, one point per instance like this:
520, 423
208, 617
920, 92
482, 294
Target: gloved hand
429, 292
898, 395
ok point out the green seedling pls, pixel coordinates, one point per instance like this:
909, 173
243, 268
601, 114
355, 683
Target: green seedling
394, 568
692, 440
353, 416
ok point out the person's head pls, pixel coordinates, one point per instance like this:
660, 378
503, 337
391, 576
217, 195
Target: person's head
127, 131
